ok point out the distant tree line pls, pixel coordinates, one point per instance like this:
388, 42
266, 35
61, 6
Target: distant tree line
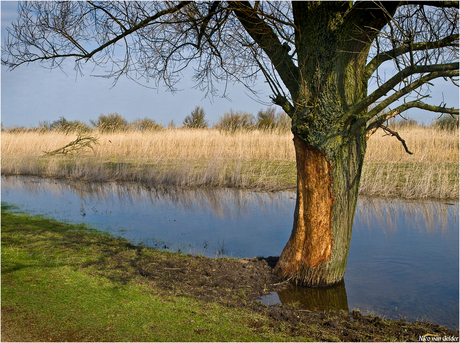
230, 122
445, 122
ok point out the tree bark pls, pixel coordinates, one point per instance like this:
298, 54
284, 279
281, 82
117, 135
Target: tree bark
327, 191
330, 143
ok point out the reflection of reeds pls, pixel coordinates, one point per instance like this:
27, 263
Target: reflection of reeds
225, 203
252, 159
431, 215
230, 203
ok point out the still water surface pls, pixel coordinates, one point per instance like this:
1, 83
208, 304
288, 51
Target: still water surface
403, 260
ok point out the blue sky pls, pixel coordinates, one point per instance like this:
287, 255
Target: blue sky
32, 94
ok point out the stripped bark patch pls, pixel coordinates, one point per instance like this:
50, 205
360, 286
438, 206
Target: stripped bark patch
311, 240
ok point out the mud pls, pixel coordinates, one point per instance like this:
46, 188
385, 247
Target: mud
238, 283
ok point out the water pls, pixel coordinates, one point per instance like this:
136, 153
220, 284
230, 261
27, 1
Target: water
403, 260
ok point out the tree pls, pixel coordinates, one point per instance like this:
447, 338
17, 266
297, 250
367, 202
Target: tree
318, 58
266, 120
110, 123
196, 119
234, 121
270, 120
63, 125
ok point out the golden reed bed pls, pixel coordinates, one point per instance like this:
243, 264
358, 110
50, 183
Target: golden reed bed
254, 159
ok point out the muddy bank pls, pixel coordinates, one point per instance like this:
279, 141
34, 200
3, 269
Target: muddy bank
238, 283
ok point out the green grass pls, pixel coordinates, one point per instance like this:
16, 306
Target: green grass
64, 282
50, 290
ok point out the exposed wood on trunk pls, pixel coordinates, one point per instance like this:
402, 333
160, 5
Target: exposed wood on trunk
311, 241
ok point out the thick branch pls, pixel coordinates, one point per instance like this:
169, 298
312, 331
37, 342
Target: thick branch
426, 107
437, 70
407, 90
371, 15
268, 41
374, 126
373, 65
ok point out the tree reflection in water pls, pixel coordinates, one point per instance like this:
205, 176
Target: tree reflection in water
330, 298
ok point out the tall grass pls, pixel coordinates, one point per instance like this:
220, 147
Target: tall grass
169, 144
430, 172
428, 144
250, 159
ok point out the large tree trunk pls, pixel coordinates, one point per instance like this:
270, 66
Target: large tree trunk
329, 142
327, 191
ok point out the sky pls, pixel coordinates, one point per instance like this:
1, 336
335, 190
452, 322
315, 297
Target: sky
32, 94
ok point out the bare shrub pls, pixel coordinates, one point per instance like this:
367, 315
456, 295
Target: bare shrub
146, 124
65, 126
402, 123
112, 122
270, 120
266, 119
195, 120
171, 125
234, 121
447, 123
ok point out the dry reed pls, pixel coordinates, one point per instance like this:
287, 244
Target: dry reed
430, 172
251, 159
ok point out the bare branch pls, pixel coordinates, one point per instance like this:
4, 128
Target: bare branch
382, 57
137, 27
267, 40
55, 55
377, 122
370, 130
237, 41
395, 134
442, 70
447, 4
427, 107
109, 14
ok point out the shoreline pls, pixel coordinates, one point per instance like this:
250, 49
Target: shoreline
366, 189
191, 287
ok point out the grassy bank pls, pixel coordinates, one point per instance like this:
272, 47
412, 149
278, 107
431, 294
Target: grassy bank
63, 282
248, 159
53, 290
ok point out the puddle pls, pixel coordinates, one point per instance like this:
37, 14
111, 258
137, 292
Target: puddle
403, 260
